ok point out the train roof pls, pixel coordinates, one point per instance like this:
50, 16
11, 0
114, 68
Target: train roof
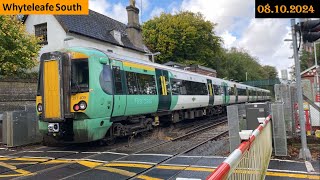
160, 66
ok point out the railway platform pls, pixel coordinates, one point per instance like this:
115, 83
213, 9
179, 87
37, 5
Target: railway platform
67, 164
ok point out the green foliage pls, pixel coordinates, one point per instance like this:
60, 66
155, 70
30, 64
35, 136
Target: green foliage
307, 58
236, 63
185, 37
270, 72
18, 49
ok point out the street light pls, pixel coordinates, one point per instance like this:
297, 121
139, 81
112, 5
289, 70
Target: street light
152, 55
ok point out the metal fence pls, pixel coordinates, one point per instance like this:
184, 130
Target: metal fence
251, 159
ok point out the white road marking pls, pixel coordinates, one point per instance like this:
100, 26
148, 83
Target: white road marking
115, 153
152, 155
287, 171
62, 151
34, 151
91, 152
138, 162
309, 166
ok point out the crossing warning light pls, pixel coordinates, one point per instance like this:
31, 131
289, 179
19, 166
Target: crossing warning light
310, 30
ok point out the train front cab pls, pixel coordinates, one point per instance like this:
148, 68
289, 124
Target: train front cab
66, 94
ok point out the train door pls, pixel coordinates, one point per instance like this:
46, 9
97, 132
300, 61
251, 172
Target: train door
226, 97
52, 90
236, 92
162, 79
119, 91
211, 94
247, 92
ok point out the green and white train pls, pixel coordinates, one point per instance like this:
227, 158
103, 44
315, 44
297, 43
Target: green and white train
87, 94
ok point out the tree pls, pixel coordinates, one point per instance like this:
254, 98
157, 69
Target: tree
18, 49
237, 63
270, 72
307, 58
185, 37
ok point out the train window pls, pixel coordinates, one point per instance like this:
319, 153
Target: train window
117, 80
242, 92
132, 83
195, 88
198, 88
216, 89
105, 79
79, 76
147, 84
39, 81
231, 91
183, 87
178, 87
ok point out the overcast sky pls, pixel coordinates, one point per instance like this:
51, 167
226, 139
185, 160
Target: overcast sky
237, 26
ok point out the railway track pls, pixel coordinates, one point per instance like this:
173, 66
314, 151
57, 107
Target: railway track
198, 123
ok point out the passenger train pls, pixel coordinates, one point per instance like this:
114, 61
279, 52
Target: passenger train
86, 94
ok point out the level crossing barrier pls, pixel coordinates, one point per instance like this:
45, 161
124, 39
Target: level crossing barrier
251, 159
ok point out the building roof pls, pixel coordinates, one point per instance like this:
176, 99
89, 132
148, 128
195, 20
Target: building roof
96, 26
309, 69
204, 68
171, 63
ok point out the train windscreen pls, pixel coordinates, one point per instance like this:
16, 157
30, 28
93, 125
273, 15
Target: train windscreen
79, 76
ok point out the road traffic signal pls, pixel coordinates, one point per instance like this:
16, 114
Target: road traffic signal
310, 30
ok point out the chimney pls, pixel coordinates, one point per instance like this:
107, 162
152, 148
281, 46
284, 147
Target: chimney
133, 28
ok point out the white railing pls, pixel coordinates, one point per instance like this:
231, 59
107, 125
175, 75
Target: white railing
251, 159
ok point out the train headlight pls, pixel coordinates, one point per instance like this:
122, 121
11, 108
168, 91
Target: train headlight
82, 105
39, 107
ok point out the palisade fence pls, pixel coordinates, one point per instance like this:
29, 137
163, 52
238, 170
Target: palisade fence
15, 95
251, 159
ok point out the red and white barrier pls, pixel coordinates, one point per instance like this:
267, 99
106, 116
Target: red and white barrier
251, 159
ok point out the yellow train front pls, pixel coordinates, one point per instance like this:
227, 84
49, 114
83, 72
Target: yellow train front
71, 105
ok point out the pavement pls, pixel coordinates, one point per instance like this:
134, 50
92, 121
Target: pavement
44, 163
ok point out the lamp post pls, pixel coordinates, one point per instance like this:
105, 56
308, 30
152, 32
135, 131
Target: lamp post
152, 55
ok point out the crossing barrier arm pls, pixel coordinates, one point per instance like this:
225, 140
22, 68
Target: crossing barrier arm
238, 162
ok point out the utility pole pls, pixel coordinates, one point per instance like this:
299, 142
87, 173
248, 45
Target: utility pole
316, 64
304, 151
